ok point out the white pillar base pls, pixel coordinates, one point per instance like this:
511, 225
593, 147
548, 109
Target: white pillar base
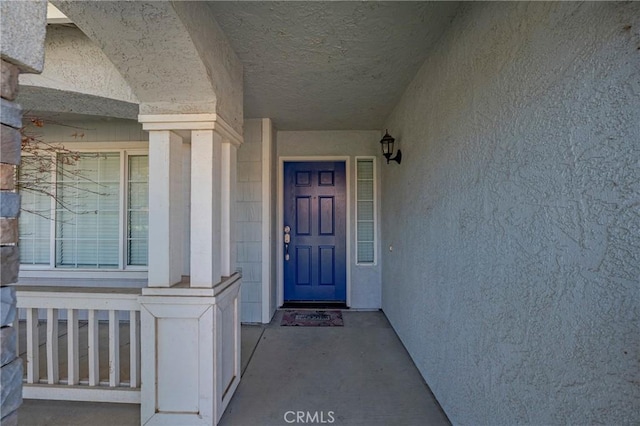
194, 336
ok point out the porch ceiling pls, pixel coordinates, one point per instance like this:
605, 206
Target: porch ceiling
320, 65
329, 65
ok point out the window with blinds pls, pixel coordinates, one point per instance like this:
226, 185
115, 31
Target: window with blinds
365, 211
35, 217
138, 210
87, 211
94, 194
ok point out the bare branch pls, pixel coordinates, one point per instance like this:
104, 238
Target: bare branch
41, 159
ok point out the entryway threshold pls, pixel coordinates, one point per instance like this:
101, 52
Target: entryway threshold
314, 305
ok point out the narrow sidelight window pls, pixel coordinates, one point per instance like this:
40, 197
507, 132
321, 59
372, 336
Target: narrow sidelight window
365, 211
138, 210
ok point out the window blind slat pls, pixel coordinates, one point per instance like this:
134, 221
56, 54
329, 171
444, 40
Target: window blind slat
365, 190
365, 169
88, 223
138, 210
365, 210
365, 229
365, 252
35, 218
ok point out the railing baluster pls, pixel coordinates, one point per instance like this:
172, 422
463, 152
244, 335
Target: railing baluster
53, 375
73, 352
33, 347
16, 326
57, 384
134, 349
114, 349
94, 357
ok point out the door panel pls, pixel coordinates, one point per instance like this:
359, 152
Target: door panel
327, 261
303, 216
315, 209
327, 215
302, 261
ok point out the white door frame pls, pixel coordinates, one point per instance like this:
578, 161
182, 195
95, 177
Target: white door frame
280, 214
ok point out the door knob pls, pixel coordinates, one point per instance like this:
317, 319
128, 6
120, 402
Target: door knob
287, 241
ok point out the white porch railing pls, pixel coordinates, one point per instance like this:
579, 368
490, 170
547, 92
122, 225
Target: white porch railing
89, 313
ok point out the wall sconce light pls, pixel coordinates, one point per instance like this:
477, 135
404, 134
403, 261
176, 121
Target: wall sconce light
387, 148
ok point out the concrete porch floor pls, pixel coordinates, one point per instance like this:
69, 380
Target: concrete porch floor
359, 374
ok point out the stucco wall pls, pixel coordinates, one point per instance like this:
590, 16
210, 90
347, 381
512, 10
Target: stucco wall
515, 215
150, 46
22, 34
224, 69
76, 64
365, 279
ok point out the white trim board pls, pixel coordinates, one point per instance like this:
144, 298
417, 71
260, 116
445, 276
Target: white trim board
280, 214
175, 122
82, 393
267, 143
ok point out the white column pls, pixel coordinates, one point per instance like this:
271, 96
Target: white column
190, 336
228, 190
268, 307
206, 211
165, 208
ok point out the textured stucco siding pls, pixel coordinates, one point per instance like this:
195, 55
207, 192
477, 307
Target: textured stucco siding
76, 64
249, 221
22, 34
365, 279
515, 215
223, 67
152, 49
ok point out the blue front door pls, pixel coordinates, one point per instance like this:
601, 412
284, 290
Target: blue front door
315, 266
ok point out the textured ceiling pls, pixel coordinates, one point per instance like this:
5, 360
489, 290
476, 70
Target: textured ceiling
310, 65
329, 65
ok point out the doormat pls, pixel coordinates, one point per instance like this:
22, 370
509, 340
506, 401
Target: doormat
312, 319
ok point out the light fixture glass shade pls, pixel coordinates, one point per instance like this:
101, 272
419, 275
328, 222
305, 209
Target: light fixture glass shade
387, 144
387, 148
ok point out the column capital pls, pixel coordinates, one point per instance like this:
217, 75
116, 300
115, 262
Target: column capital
209, 121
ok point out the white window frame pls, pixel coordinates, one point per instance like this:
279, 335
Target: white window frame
373, 160
125, 149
